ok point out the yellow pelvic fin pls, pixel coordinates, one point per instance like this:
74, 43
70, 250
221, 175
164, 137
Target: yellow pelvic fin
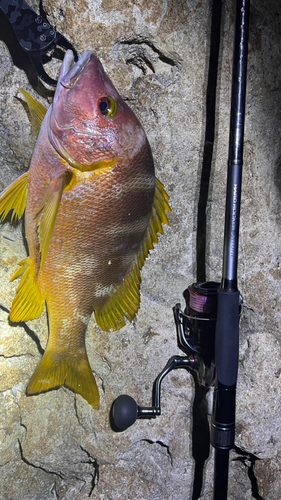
37, 111
126, 300
28, 303
48, 212
14, 198
59, 369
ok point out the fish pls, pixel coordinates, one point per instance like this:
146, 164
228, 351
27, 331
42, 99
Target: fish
93, 208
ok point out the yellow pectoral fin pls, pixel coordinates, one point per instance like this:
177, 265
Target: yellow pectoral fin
71, 371
14, 198
37, 111
126, 300
28, 303
48, 212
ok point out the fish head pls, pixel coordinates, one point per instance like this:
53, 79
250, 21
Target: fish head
90, 124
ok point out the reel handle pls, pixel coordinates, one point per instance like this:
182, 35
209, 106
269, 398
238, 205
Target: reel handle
125, 412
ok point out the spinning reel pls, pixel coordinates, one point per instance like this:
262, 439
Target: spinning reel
196, 328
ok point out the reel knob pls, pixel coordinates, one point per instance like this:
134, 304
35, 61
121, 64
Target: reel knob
124, 412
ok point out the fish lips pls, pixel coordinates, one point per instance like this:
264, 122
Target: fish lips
69, 71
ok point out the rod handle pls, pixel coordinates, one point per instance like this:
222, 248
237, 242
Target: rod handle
227, 337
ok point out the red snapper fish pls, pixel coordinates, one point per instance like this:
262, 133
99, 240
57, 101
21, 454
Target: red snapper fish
93, 208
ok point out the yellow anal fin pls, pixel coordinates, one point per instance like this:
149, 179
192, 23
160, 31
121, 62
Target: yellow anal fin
28, 303
14, 198
23, 266
48, 212
37, 111
60, 369
125, 302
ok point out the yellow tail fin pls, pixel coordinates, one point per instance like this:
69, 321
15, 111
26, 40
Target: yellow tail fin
59, 369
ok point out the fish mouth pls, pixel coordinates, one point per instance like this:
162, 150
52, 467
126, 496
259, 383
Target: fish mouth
69, 71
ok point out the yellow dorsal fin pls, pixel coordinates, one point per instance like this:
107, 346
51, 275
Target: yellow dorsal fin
61, 369
14, 198
48, 212
36, 109
125, 302
28, 303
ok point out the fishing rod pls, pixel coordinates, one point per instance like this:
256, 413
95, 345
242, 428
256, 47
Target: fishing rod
229, 299
208, 328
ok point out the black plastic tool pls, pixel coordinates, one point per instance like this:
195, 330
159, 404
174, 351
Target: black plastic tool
35, 35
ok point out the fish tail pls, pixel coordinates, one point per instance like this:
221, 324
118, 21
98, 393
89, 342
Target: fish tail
59, 369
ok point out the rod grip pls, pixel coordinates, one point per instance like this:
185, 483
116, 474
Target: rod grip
227, 337
227, 355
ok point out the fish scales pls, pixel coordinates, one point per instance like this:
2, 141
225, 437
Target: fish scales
104, 251
93, 208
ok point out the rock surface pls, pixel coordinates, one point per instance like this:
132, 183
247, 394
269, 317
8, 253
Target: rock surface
55, 446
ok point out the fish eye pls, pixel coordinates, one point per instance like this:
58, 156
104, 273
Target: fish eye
107, 106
